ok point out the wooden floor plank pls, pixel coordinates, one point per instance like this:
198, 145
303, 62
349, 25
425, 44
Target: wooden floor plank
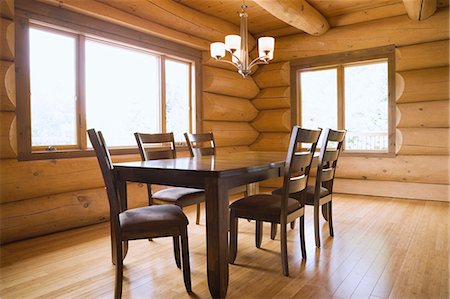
383, 248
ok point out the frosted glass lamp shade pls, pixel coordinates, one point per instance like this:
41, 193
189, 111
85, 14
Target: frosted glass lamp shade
217, 50
236, 57
266, 46
233, 42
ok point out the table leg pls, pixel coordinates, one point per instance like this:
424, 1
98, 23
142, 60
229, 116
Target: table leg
217, 236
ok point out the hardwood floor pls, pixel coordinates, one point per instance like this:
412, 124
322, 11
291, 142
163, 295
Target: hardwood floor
383, 248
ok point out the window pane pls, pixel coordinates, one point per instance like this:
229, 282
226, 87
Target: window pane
122, 92
53, 88
177, 98
366, 106
319, 99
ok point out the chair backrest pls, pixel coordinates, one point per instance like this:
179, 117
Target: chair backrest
106, 166
156, 146
201, 144
298, 162
329, 153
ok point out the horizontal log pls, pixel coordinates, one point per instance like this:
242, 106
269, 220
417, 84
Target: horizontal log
400, 31
219, 107
434, 114
273, 121
412, 169
420, 56
7, 86
29, 179
366, 15
8, 135
7, 9
436, 192
228, 83
48, 214
231, 133
7, 49
423, 141
273, 75
232, 149
273, 98
116, 16
419, 10
422, 85
272, 142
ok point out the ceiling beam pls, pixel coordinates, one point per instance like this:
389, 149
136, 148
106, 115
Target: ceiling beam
419, 10
297, 13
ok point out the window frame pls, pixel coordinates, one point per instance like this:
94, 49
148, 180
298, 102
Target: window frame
338, 61
85, 27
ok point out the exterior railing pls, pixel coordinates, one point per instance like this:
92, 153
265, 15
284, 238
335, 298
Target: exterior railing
366, 141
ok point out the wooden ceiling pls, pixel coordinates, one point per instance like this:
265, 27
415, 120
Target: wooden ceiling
337, 12
198, 22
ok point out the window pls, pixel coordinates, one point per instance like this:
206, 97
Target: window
352, 94
78, 82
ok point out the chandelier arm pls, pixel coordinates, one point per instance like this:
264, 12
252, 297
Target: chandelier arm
229, 62
258, 61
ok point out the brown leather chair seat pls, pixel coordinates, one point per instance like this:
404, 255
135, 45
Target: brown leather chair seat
262, 207
309, 194
139, 222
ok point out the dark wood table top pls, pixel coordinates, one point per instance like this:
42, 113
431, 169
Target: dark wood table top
219, 165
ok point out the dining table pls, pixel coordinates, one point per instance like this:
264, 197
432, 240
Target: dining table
215, 174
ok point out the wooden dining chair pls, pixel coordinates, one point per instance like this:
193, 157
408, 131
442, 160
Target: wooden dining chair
201, 144
281, 209
139, 223
162, 146
320, 194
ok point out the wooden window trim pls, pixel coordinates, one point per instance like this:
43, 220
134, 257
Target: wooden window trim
336, 60
84, 27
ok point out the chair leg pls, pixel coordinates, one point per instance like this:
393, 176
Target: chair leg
258, 233
302, 236
325, 212
119, 270
316, 226
233, 237
284, 256
176, 250
273, 230
330, 219
293, 224
186, 263
197, 221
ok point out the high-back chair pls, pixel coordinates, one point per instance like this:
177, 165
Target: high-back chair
320, 194
201, 144
139, 223
282, 208
162, 146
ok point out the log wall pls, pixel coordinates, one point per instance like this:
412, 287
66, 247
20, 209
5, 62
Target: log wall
420, 169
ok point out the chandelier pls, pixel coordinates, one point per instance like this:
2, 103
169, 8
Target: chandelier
240, 59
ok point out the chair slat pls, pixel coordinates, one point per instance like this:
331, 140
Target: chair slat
203, 151
327, 174
330, 156
300, 160
297, 184
160, 154
336, 135
308, 136
156, 138
202, 137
